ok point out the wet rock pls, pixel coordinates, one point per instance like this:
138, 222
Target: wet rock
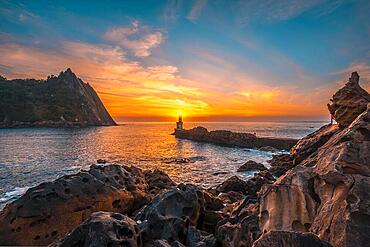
251, 166
104, 229
50, 210
158, 181
291, 239
349, 102
233, 184
280, 164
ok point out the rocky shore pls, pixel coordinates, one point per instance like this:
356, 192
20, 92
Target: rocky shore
318, 195
233, 139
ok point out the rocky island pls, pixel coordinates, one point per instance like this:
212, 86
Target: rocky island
58, 101
318, 195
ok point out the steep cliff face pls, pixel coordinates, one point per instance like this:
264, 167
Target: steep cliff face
327, 192
62, 101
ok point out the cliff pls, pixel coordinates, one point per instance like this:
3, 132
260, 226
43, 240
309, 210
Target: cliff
58, 101
233, 139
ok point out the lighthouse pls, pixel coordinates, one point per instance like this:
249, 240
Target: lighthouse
179, 123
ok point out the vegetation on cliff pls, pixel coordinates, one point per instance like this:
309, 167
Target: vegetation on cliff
58, 101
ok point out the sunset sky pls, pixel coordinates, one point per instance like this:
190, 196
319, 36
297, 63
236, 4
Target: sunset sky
211, 60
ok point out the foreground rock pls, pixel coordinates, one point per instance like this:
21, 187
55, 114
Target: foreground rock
326, 192
349, 102
228, 138
104, 229
251, 166
291, 239
50, 210
173, 216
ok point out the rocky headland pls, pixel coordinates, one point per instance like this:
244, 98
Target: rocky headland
318, 195
234, 139
59, 101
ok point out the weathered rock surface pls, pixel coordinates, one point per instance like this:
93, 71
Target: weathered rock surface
291, 239
326, 192
251, 165
289, 204
158, 181
104, 229
234, 184
280, 164
50, 210
172, 215
349, 102
228, 138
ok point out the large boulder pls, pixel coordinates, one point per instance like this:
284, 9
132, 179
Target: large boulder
104, 229
50, 210
349, 102
233, 183
251, 165
172, 214
291, 239
158, 181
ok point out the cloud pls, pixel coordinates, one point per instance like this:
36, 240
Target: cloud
172, 10
196, 10
271, 10
126, 87
135, 38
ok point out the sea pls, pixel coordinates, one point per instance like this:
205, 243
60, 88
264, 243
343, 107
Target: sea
30, 156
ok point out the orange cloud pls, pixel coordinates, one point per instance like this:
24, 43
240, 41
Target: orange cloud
131, 90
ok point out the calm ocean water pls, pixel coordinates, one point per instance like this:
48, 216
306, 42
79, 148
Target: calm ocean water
31, 156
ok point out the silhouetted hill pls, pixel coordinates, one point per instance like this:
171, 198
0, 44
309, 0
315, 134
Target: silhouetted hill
59, 101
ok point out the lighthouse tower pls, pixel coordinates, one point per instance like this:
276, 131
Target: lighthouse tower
179, 124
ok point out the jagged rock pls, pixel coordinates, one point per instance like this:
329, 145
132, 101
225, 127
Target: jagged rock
50, 210
349, 102
196, 238
290, 203
235, 184
327, 192
104, 229
62, 101
242, 229
169, 214
158, 181
280, 164
257, 181
310, 144
251, 166
291, 239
